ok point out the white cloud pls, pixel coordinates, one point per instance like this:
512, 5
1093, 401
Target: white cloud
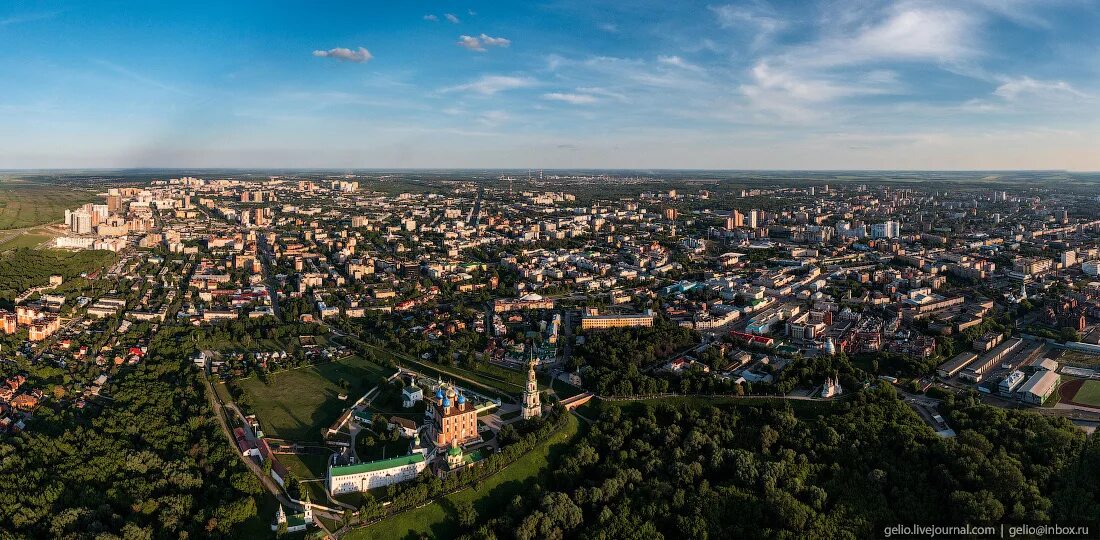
479, 43
491, 84
430, 17
676, 61
609, 27
494, 118
360, 55
1026, 86
762, 20
573, 99
452, 18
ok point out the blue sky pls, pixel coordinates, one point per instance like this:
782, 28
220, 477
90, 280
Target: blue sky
836, 84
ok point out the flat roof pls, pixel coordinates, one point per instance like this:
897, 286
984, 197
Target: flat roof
373, 466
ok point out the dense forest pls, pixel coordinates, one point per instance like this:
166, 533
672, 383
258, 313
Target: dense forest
612, 361
151, 464
763, 471
24, 268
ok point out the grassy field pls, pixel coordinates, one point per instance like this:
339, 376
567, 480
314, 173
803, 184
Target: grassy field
26, 204
1076, 358
305, 467
297, 404
28, 239
437, 519
1088, 394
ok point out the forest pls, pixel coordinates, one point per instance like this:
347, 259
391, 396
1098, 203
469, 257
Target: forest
612, 362
151, 464
24, 268
687, 471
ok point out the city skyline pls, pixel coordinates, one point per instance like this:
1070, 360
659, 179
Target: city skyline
977, 85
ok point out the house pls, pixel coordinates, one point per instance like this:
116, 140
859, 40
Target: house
407, 427
411, 395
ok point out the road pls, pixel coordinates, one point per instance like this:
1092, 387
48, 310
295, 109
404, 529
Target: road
266, 252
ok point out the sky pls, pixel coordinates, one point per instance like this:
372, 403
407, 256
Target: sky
830, 84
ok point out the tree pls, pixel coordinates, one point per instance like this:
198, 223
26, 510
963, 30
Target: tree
466, 514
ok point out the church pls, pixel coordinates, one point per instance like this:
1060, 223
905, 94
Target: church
451, 420
295, 522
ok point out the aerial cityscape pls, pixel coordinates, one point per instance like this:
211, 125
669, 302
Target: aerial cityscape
745, 270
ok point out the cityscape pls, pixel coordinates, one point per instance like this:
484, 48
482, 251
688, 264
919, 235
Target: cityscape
515, 284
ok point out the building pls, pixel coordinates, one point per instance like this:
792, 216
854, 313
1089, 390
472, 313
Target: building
365, 476
956, 364
1039, 387
528, 301
889, 229
295, 522
411, 395
977, 369
592, 320
450, 418
1010, 383
531, 406
831, 388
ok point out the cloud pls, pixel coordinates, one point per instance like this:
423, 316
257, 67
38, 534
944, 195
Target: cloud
430, 17
452, 18
758, 17
494, 118
573, 99
30, 17
489, 85
1026, 86
676, 61
360, 55
609, 27
479, 43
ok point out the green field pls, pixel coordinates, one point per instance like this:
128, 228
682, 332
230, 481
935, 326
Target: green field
29, 240
26, 204
437, 519
297, 404
1088, 394
305, 467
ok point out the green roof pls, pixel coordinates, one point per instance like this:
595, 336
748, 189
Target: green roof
295, 520
379, 465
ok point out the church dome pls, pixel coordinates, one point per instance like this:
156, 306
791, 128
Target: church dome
446, 402
454, 451
439, 394
461, 399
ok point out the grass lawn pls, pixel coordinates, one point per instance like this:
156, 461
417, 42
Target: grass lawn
297, 404
1076, 358
1089, 394
305, 466
437, 519
28, 240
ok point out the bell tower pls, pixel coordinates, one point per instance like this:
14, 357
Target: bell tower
531, 406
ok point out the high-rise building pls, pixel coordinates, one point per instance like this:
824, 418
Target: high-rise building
889, 229
735, 219
79, 220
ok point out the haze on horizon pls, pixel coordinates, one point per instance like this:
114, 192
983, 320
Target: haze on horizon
837, 85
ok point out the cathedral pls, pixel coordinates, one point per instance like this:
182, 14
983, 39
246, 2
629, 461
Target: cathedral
451, 420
